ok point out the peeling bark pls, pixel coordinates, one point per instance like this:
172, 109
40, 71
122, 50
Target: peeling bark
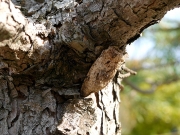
47, 51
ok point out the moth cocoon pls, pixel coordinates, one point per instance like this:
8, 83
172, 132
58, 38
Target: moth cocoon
103, 70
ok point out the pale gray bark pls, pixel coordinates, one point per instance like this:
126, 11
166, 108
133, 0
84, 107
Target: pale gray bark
46, 53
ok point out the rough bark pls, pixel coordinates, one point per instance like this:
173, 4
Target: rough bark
46, 53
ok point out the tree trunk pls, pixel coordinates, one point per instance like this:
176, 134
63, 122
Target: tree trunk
59, 62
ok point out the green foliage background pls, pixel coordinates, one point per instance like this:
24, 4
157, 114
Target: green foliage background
157, 113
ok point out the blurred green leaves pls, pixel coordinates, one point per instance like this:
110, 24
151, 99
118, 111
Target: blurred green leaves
157, 113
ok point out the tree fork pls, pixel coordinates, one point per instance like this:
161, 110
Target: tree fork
47, 52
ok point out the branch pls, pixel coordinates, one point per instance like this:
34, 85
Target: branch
168, 81
62, 37
154, 86
166, 29
156, 66
136, 88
